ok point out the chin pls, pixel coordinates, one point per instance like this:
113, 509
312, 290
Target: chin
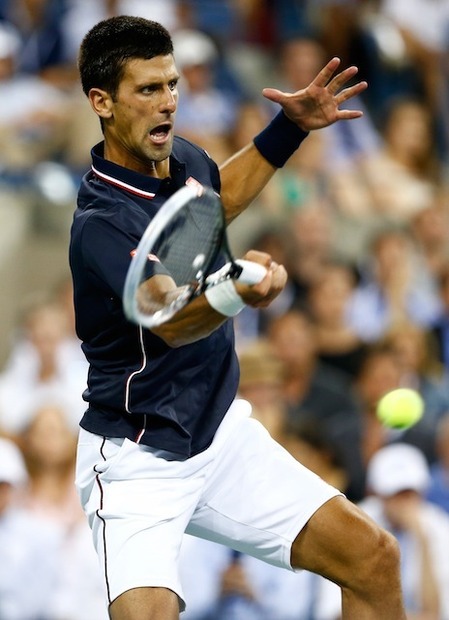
160, 154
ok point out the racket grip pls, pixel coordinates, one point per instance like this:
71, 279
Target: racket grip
252, 273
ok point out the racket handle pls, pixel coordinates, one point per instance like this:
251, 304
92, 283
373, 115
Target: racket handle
252, 273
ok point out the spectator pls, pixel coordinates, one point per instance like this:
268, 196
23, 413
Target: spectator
261, 381
42, 52
32, 112
317, 392
394, 288
278, 242
421, 30
49, 444
311, 447
430, 231
313, 246
29, 546
43, 367
328, 302
81, 15
397, 479
309, 385
378, 374
206, 114
420, 369
400, 178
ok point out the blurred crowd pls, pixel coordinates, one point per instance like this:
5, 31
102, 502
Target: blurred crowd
360, 218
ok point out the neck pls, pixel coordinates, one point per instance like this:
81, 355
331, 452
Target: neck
156, 169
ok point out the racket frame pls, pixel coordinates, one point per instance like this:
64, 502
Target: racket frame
203, 280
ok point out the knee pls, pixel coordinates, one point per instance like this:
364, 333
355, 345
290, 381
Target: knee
342, 543
380, 565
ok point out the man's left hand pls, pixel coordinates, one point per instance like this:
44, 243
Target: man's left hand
318, 105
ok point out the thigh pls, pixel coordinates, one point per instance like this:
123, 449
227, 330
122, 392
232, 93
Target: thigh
335, 541
257, 496
144, 603
138, 506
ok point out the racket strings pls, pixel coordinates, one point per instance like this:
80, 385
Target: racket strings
188, 238
191, 242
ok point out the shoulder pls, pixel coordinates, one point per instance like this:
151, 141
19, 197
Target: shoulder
98, 201
183, 148
94, 194
197, 162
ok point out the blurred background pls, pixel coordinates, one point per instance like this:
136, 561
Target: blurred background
360, 218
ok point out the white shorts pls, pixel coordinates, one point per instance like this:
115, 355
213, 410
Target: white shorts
244, 491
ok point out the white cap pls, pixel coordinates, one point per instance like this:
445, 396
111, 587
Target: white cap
193, 47
397, 467
12, 464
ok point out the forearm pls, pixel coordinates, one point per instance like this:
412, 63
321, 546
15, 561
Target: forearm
243, 177
246, 173
314, 107
195, 322
207, 312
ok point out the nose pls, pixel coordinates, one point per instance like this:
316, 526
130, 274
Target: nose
169, 100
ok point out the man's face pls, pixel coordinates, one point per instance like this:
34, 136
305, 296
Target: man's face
140, 131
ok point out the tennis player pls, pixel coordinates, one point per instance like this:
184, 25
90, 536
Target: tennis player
165, 446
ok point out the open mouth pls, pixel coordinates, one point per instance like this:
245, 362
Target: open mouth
161, 133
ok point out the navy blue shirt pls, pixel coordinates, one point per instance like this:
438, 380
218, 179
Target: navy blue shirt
138, 386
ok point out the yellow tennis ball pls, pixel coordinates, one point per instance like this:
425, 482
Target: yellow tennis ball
400, 408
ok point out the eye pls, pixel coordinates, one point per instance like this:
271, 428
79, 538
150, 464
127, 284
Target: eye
173, 84
148, 89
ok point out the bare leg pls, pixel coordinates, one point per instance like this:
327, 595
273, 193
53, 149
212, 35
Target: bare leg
145, 604
343, 544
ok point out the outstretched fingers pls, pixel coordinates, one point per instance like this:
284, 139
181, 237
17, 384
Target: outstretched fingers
333, 84
275, 95
326, 73
337, 83
351, 91
346, 94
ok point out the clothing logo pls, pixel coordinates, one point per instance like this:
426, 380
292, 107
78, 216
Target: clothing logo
152, 257
191, 182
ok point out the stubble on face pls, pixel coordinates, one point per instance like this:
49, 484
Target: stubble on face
141, 132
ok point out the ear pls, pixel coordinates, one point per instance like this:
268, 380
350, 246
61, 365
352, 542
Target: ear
101, 102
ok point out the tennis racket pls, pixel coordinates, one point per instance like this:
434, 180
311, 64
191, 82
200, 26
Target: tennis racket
187, 236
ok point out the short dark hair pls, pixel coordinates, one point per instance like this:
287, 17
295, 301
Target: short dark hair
108, 46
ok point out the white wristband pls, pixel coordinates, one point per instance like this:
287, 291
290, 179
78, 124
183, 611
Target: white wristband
224, 298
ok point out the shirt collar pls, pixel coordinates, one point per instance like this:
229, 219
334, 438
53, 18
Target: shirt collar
129, 180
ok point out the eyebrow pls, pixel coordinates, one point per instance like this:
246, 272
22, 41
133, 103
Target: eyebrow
156, 82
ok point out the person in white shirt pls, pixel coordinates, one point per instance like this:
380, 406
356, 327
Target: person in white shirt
397, 479
29, 546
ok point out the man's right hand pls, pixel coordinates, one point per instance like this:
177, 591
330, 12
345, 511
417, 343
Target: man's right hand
262, 294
